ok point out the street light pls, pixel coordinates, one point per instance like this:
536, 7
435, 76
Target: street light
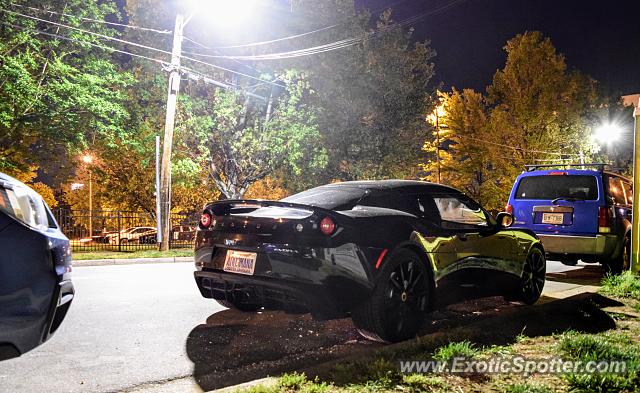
229, 10
435, 118
608, 133
88, 160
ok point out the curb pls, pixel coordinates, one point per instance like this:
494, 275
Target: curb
132, 261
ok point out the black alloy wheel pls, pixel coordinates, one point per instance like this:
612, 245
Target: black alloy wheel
533, 276
397, 307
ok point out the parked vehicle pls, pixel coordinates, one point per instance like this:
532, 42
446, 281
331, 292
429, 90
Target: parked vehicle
577, 213
35, 270
383, 252
132, 235
183, 233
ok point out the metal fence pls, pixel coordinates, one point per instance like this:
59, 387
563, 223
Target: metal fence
116, 230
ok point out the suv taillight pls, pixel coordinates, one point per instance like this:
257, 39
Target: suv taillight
509, 209
605, 219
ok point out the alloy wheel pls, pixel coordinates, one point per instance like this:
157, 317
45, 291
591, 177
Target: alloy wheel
533, 276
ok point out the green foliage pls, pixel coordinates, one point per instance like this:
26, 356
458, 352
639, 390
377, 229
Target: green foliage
612, 346
56, 93
527, 388
239, 141
463, 349
625, 285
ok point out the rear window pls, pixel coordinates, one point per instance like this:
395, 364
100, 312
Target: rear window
561, 186
329, 197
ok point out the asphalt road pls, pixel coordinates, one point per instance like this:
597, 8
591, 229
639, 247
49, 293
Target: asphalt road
137, 324
127, 325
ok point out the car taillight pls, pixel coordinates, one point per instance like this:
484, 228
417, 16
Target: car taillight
327, 226
605, 219
509, 209
205, 220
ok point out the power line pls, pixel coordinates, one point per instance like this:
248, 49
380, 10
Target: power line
65, 38
304, 34
208, 48
103, 36
93, 20
194, 75
336, 44
516, 148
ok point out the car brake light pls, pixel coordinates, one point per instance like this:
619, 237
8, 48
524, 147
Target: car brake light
509, 209
605, 219
327, 226
205, 220
557, 173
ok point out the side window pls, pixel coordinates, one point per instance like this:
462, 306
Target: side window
458, 213
405, 203
616, 191
628, 192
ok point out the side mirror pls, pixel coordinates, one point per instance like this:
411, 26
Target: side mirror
504, 219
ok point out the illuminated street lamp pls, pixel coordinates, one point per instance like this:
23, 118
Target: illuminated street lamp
229, 11
88, 160
608, 133
435, 118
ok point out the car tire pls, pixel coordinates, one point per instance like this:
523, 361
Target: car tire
239, 306
532, 280
623, 261
124, 242
397, 307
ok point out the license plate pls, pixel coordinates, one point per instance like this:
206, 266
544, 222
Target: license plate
552, 218
240, 262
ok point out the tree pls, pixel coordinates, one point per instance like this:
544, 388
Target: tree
469, 159
371, 95
56, 95
241, 141
535, 110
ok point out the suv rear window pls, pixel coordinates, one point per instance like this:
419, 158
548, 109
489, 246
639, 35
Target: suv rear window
552, 187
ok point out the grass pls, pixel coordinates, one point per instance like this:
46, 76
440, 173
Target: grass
83, 256
625, 285
526, 388
461, 349
597, 347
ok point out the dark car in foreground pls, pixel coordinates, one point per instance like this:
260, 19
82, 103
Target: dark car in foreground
383, 252
579, 211
35, 270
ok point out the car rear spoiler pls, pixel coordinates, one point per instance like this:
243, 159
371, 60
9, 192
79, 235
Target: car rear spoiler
224, 207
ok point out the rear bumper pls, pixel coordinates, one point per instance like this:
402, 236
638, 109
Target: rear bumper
599, 245
272, 294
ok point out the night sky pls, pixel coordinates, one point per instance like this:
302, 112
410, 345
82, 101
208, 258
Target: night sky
600, 38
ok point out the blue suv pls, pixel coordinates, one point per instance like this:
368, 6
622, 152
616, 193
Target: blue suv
577, 213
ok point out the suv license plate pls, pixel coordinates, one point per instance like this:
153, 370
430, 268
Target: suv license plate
552, 218
240, 262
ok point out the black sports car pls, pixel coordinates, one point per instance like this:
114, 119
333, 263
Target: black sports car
35, 270
384, 252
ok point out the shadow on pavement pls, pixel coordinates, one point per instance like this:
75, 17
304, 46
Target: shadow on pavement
580, 313
590, 274
234, 347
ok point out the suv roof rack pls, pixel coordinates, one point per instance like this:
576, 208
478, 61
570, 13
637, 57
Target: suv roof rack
533, 167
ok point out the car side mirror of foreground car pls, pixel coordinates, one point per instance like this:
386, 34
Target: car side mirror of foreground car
504, 219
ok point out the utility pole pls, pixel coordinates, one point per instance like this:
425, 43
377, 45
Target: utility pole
438, 144
90, 204
158, 225
167, 144
635, 217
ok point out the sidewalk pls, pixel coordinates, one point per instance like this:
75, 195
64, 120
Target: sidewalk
132, 261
